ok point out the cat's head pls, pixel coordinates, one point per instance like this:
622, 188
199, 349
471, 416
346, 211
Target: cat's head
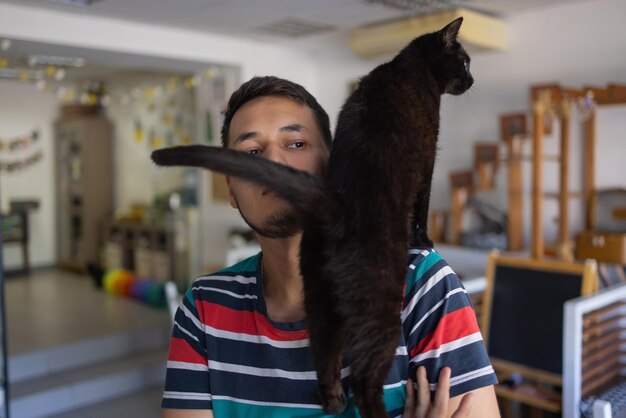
450, 64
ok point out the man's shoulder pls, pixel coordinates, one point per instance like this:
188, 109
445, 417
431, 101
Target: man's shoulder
425, 266
227, 283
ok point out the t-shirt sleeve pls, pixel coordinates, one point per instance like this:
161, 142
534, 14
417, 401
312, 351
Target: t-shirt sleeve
187, 377
440, 327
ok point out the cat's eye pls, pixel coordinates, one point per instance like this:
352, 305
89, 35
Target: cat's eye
466, 63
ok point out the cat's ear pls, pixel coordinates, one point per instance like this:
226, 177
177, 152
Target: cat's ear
451, 31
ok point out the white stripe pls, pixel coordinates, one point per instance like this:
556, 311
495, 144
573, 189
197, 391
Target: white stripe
432, 281
183, 330
257, 339
190, 315
260, 403
434, 308
226, 292
187, 395
460, 379
475, 374
187, 366
401, 351
447, 347
416, 251
395, 385
238, 278
272, 373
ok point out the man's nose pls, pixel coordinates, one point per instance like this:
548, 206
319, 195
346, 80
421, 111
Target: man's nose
276, 154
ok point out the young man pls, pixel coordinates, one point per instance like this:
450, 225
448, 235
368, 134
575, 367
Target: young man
239, 346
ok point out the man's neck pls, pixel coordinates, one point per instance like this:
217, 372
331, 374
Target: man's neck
282, 281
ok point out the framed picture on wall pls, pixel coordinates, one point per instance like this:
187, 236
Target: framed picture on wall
512, 125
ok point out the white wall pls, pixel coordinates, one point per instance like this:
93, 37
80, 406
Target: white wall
22, 110
136, 178
575, 44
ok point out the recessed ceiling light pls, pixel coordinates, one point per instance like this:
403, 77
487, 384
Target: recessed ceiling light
82, 3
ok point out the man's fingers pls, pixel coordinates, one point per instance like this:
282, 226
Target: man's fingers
465, 407
423, 393
409, 402
442, 396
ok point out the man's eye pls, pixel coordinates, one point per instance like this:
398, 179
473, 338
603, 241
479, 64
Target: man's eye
298, 144
253, 152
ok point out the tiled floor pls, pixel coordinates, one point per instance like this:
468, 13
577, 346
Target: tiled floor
52, 307
138, 405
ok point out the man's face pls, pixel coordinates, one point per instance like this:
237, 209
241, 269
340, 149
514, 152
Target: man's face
283, 131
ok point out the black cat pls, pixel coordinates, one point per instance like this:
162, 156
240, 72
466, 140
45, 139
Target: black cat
358, 220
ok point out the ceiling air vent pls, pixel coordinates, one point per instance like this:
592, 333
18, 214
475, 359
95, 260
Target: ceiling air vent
82, 3
415, 5
294, 28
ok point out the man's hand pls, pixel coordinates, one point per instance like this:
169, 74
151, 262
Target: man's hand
423, 408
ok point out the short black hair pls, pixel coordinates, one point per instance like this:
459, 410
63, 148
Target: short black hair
274, 86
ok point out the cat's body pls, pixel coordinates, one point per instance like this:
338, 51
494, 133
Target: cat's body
358, 221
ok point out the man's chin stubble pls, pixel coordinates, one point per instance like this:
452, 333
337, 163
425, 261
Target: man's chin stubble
279, 226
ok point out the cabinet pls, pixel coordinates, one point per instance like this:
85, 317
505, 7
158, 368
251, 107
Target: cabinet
605, 247
83, 155
146, 250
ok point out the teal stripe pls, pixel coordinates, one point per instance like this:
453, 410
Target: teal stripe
248, 265
394, 399
424, 265
231, 409
189, 296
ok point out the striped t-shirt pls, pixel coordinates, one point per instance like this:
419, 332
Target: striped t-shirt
227, 355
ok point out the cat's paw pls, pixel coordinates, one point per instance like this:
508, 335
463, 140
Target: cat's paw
333, 401
335, 405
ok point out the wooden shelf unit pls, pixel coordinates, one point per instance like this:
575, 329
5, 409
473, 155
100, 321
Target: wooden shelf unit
558, 98
83, 154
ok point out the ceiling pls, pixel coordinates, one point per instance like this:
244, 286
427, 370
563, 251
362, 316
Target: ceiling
244, 18
239, 18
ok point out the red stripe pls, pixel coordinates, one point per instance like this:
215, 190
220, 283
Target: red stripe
246, 322
453, 326
180, 350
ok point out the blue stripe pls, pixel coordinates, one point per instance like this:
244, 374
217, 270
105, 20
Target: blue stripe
462, 360
293, 391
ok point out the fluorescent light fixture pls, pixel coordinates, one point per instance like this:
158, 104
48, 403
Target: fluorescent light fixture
5, 44
56, 61
12, 73
82, 3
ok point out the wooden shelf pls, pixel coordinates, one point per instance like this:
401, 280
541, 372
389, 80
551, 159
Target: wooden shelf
532, 396
556, 195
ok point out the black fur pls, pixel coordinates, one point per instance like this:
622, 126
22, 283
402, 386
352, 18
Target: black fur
358, 221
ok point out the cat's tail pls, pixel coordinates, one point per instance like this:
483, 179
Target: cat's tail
308, 193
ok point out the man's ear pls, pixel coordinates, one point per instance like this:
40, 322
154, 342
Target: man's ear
231, 198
